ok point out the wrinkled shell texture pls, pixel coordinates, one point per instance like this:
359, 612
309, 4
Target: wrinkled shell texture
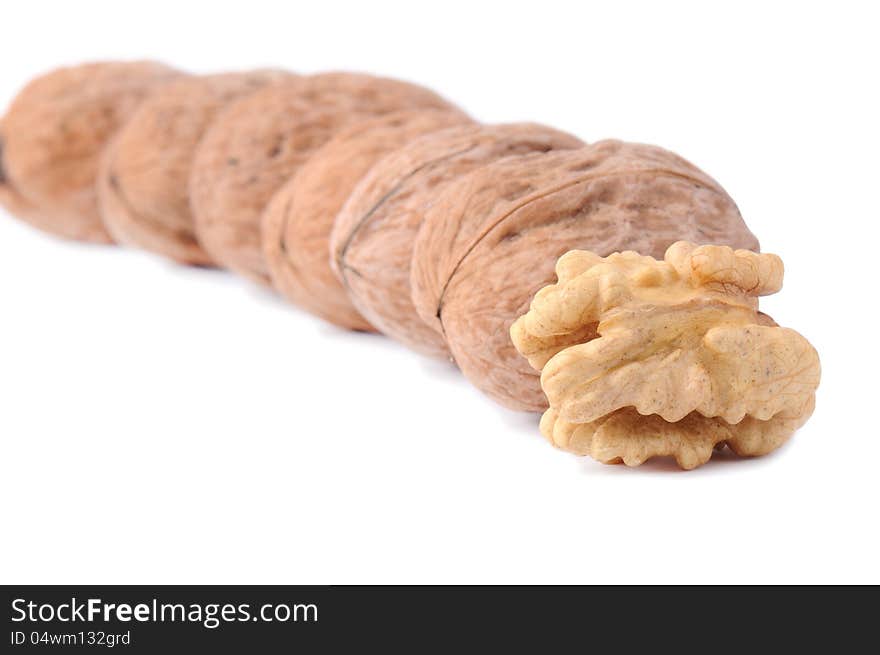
54, 134
372, 239
299, 219
259, 142
677, 360
12, 200
490, 241
143, 185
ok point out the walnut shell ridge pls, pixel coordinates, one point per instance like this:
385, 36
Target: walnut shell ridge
678, 360
255, 145
296, 225
53, 136
489, 242
373, 236
143, 184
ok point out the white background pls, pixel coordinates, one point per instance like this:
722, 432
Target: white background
166, 425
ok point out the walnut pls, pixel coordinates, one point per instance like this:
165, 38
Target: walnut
489, 242
258, 143
15, 203
372, 239
641, 357
298, 221
143, 184
52, 137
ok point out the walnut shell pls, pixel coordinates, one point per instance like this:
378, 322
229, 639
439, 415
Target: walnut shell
677, 361
52, 138
372, 239
489, 242
297, 223
10, 199
259, 142
143, 185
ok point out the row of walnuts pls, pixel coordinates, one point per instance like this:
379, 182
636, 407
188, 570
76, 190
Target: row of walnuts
378, 205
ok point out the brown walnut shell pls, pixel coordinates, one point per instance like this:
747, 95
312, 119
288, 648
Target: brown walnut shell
11, 200
52, 138
297, 222
372, 239
258, 143
143, 185
490, 243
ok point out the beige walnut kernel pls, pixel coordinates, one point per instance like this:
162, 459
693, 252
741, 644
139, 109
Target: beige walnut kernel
641, 357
